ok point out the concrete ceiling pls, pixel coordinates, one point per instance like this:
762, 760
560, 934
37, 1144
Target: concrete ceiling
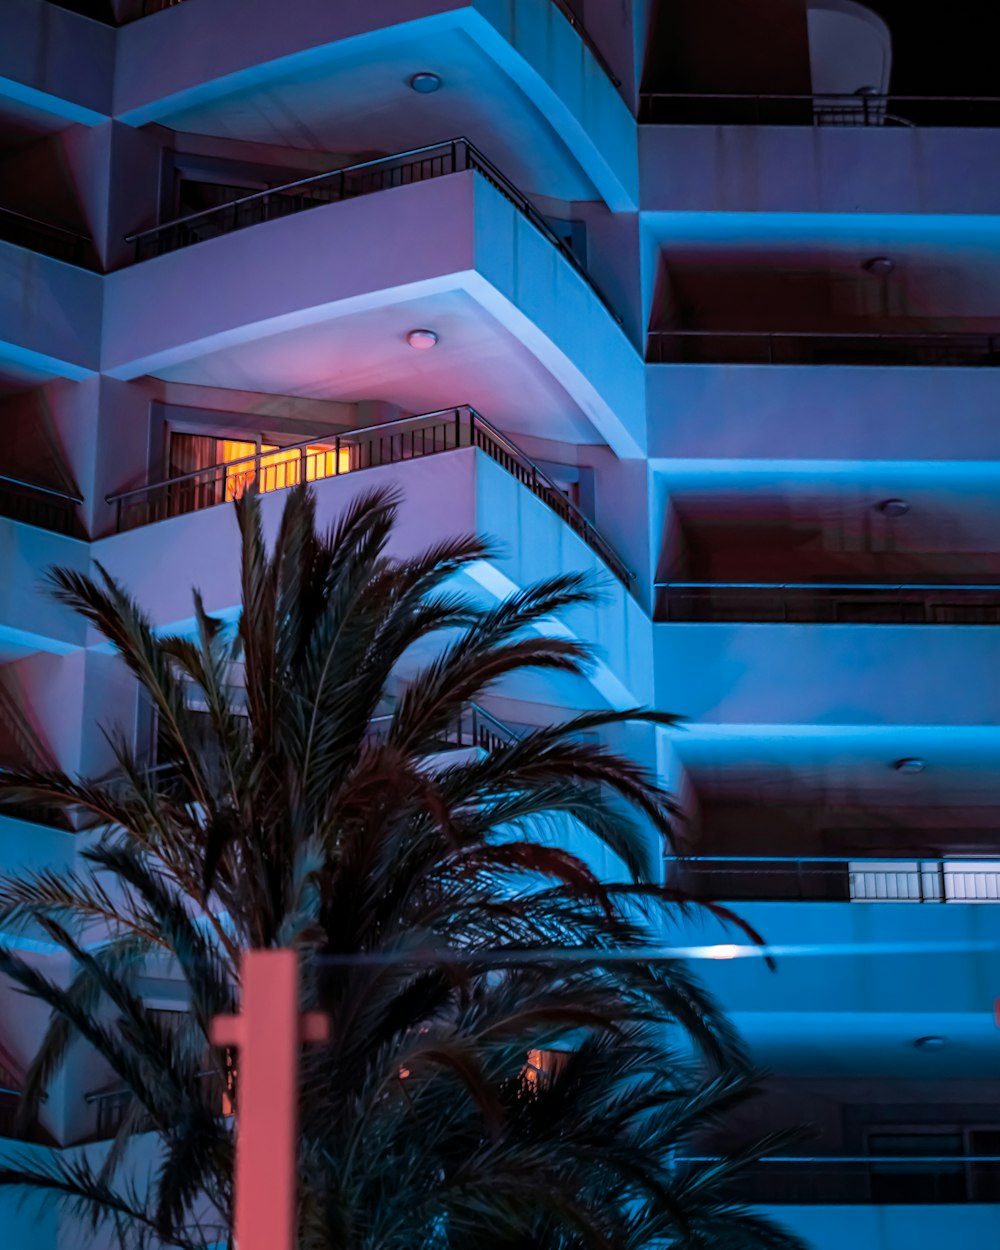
366, 357
855, 1045
15, 376
954, 507
20, 123
850, 765
317, 108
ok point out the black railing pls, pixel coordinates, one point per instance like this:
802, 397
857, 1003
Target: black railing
828, 603
42, 236
386, 173
112, 1106
862, 108
779, 878
38, 505
866, 1179
473, 729
375, 446
156, 6
821, 347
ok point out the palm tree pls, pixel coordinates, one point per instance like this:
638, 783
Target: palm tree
427, 899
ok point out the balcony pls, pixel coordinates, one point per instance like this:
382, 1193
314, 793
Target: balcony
860, 109
824, 347
475, 729
855, 414
49, 239
887, 1179
320, 302
350, 183
395, 442
50, 316
780, 878
828, 603
526, 81
39, 505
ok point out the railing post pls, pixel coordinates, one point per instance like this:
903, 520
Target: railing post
458, 427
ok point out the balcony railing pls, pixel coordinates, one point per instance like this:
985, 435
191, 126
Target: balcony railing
866, 1179
392, 442
38, 505
418, 165
474, 729
822, 347
50, 240
779, 878
828, 603
111, 1106
679, 108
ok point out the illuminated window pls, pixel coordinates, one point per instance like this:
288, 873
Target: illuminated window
541, 1067
325, 461
281, 467
241, 474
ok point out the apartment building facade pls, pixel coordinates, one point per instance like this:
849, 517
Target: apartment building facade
675, 293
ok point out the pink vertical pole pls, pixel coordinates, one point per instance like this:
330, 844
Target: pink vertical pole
268, 1032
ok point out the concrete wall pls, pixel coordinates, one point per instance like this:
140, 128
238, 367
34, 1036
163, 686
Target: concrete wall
50, 314
706, 412
56, 60
891, 1228
828, 674
819, 169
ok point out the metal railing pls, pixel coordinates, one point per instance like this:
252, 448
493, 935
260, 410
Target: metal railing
823, 347
38, 505
828, 603
374, 446
49, 240
780, 878
474, 728
865, 1179
112, 1105
862, 108
385, 173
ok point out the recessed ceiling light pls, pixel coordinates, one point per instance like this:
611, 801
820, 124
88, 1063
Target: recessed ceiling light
893, 507
909, 764
929, 1043
422, 340
881, 265
425, 83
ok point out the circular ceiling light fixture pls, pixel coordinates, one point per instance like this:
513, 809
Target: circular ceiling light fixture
893, 507
910, 765
425, 82
929, 1043
422, 340
882, 266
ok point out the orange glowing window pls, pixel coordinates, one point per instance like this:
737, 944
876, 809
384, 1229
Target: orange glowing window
541, 1067
242, 473
324, 461
278, 469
